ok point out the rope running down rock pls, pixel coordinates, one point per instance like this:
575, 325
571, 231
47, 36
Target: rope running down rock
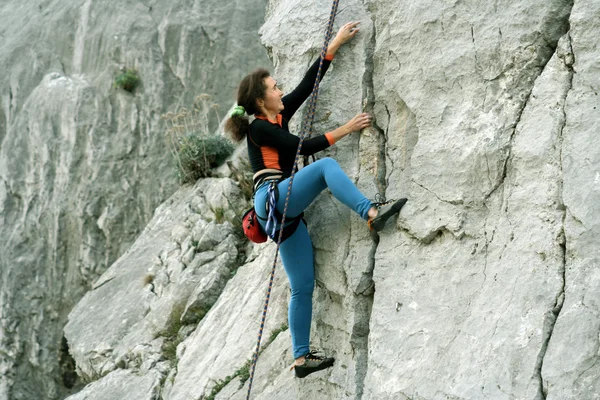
307, 128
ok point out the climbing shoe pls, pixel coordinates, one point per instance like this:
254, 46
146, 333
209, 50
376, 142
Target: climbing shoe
385, 212
312, 363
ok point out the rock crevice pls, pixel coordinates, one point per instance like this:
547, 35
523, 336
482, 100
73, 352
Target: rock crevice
552, 316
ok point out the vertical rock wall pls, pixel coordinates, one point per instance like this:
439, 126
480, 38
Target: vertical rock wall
571, 366
82, 164
480, 109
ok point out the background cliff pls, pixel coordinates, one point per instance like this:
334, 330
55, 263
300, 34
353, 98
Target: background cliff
83, 164
485, 287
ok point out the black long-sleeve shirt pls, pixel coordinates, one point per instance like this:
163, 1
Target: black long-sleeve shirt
270, 143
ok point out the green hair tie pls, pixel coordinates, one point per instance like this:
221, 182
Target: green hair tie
238, 111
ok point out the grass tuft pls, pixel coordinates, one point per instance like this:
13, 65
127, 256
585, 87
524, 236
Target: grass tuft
128, 80
171, 333
244, 371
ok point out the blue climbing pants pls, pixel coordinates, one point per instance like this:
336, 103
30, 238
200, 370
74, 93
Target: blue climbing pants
297, 252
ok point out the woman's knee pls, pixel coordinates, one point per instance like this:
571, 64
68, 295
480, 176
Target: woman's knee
303, 289
328, 162
328, 166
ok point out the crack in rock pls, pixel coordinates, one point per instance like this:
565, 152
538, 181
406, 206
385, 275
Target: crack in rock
451, 202
103, 283
550, 322
553, 314
163, 53
553, 46
387, 149
509, 147
363, 306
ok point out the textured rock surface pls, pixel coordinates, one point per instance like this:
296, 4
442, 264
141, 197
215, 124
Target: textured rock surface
485, 287
191, 265
82, 164
237, 316
145, 293
571, 367
122, 384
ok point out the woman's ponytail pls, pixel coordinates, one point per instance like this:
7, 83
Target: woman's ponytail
237, 126
252, 88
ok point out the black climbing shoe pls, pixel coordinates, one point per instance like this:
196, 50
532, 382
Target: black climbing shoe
312, 363
386, 210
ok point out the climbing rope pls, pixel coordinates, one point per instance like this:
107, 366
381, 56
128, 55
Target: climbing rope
307, 128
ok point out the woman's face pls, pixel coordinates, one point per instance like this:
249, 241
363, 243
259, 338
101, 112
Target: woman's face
272, 101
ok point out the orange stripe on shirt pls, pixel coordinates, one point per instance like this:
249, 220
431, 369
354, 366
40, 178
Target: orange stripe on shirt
270, 157
278, 121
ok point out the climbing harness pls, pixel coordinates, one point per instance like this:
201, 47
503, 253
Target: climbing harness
255, 232
306, 129
272, 207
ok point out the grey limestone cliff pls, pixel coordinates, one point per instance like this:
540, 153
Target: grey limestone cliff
485, 287
83, 165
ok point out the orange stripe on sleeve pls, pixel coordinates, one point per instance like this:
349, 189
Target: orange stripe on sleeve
329, 57
330, 138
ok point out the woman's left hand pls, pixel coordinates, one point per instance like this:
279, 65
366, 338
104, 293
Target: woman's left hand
346, 32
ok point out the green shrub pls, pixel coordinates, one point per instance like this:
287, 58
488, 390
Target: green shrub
128, 80
196, 150
199, 154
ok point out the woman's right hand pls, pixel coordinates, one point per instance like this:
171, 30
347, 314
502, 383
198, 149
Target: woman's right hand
359, 122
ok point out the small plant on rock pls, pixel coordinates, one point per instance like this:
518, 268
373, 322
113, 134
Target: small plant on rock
148, 279
243, 176
195, 150
171, 333
127, 80
244, 371
219, 215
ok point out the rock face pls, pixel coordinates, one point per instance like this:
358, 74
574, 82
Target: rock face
123, 384
161, 302
485, 287
163, 285
83, 164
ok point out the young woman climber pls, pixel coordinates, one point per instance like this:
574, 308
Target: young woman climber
272, 150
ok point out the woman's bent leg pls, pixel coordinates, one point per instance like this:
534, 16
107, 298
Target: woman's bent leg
297, 257
313, 179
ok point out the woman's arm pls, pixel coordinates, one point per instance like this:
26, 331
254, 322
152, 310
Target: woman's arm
269, 134
294, 100
359, 122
